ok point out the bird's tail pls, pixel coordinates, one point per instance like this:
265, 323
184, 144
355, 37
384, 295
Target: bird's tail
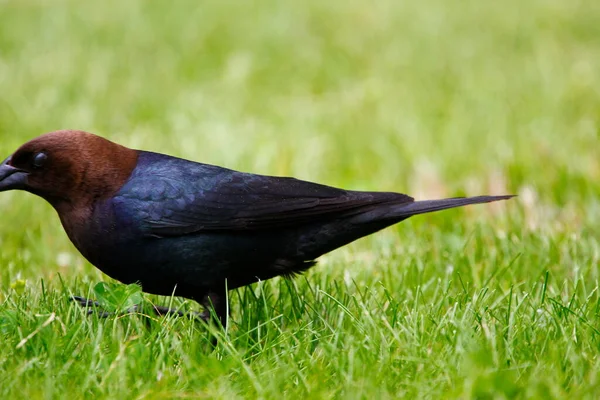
426, 206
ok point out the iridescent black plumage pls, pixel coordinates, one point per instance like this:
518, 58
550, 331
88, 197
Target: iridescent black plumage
169, 223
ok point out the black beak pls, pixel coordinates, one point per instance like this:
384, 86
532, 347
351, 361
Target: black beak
11, 177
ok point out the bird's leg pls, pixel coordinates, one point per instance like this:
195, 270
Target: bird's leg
215, 306
157, 310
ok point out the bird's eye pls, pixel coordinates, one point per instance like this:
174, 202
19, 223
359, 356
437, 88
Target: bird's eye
39, 160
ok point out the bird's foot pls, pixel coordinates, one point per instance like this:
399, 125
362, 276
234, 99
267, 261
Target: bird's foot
157, 310
82, 301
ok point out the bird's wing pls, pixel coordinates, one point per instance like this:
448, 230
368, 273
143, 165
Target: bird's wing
226, 200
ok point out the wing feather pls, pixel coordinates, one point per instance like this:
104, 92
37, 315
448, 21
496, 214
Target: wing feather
210, 198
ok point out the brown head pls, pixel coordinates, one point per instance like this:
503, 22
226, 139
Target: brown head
68, 168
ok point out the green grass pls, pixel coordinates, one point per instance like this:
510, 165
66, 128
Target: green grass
432, 98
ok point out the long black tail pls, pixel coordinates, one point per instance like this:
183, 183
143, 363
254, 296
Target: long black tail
426, 206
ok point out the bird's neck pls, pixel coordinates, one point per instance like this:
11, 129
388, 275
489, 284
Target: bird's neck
74, 217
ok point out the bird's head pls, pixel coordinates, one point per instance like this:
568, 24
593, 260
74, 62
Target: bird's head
68, 167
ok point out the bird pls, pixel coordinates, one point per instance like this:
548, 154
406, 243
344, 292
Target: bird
191, 229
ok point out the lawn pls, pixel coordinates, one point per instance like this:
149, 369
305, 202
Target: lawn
434, 98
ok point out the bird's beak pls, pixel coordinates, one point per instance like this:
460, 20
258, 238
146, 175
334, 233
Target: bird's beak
11, 177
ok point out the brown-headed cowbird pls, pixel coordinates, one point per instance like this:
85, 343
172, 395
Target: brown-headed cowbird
196, 230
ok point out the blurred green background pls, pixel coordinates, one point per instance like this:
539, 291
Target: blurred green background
432, 98
429, 98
